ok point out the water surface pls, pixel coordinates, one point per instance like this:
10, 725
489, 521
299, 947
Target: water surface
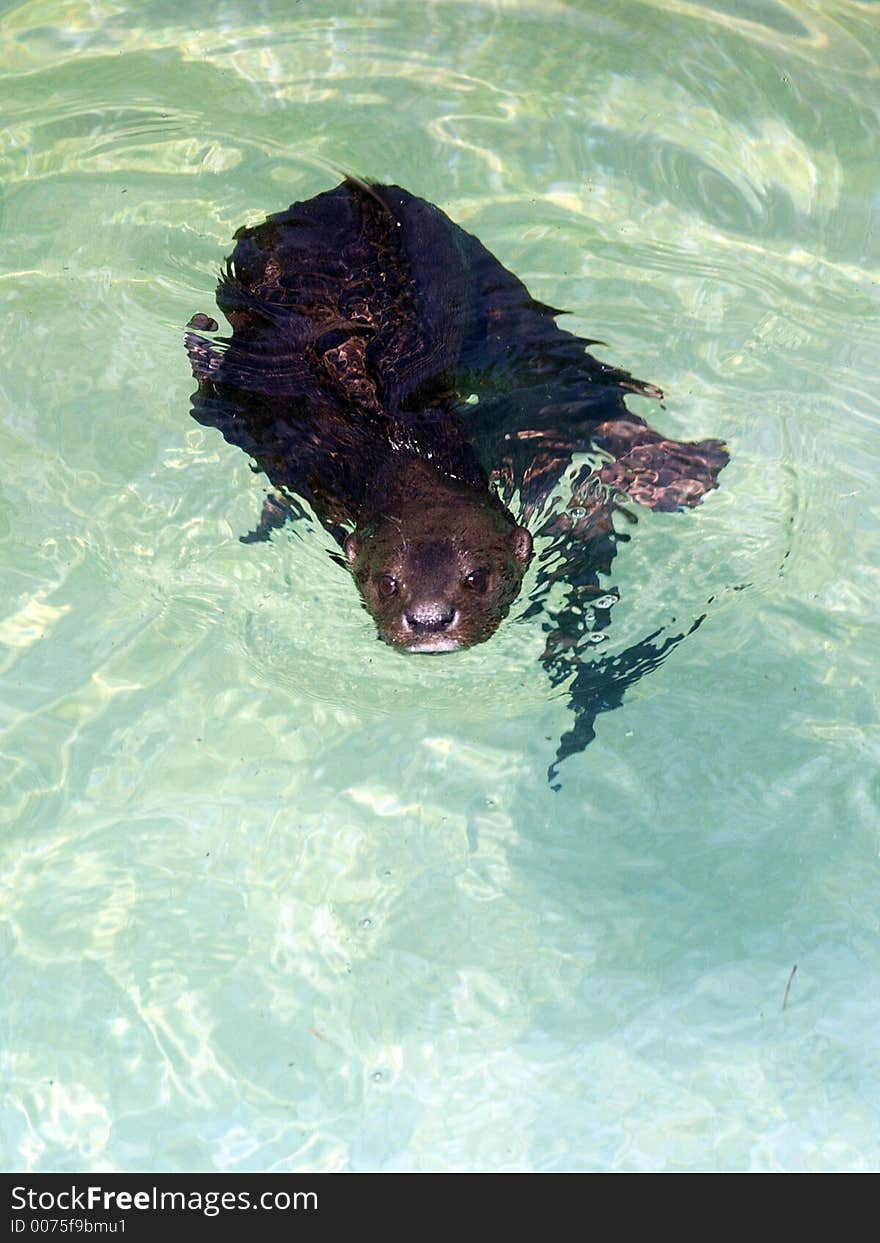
275, 897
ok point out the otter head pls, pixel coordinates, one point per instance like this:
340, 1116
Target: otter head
441, 577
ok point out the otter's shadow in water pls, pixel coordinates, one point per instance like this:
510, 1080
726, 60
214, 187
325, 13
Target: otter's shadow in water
387, 370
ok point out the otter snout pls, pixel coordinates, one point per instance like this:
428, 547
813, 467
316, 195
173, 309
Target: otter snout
430, 617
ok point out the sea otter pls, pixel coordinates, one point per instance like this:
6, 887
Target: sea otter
386, 369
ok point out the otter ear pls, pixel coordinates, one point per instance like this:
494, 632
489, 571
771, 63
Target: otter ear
352, 548
521, 544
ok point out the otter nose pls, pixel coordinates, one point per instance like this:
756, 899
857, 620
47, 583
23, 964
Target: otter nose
429, 618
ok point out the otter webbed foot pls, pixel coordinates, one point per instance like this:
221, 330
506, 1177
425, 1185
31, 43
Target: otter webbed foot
204, 359
276, 511
656, 472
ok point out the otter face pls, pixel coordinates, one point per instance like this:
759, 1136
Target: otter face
439, 594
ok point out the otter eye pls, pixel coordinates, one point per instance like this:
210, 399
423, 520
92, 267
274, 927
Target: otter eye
386, 586
477, 580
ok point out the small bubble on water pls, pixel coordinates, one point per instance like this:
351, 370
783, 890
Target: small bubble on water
596, 638
378, 1076
577, 512
366, 922
605, 602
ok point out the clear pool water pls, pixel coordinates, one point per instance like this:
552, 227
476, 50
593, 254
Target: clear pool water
274, 897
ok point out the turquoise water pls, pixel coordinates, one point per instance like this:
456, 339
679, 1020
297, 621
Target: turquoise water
275, 897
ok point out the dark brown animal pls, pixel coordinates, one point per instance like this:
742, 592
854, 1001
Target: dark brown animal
386, 370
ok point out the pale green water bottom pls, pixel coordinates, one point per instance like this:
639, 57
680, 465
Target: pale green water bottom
273, 897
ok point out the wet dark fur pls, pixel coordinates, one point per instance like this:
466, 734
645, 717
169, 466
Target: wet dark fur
387, 370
